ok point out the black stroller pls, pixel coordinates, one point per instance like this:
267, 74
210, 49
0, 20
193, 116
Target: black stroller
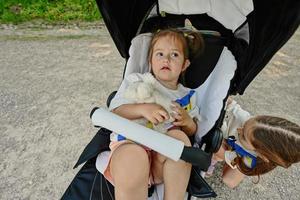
240, 38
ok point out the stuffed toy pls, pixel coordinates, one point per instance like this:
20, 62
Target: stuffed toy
145, 92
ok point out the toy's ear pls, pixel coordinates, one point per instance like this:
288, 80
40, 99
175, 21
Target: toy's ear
149, 78
144, 90
186, 64
131, 91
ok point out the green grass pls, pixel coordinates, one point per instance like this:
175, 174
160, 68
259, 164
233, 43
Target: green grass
16, 11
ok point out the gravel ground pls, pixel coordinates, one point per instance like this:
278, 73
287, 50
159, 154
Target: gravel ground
50, 79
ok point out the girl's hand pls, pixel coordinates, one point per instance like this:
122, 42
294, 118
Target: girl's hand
154, 113
183, 119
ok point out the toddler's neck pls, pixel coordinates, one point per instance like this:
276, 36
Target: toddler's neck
168, 85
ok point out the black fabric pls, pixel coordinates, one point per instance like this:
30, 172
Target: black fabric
198, 187
89, 184
99, 143
110, 97
122, 19
271, 24
158, 22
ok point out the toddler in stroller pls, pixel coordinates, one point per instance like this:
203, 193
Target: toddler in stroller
130, 166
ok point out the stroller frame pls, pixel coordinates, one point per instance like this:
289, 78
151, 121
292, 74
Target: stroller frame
251, 57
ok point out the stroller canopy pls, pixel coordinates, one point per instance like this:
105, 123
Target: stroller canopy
269, 24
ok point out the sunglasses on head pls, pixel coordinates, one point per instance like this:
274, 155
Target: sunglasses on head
248, 158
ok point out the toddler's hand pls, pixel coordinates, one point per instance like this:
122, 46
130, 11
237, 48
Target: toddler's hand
183, 119
181, 116
154, 113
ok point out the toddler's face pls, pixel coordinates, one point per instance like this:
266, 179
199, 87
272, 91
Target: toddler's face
167, 61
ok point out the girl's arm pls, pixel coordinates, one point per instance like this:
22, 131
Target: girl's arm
151, 111
235, 117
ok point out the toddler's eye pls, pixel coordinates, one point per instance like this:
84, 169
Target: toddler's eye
174, 55
159, 54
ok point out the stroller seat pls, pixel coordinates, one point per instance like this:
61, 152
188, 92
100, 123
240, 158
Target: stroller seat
210, 107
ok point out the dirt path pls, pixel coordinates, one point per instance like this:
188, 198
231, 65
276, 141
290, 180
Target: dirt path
51, 79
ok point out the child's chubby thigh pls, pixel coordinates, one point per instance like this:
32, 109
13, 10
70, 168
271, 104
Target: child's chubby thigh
158, 160
130, 165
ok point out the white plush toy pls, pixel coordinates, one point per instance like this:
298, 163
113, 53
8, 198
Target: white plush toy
145, 92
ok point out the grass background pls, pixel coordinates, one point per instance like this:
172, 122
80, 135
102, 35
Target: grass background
17, 11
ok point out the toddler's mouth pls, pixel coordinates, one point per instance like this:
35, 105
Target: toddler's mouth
165, 68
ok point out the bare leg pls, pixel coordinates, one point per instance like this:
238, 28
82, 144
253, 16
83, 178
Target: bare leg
130, 171
232, 177
175, 174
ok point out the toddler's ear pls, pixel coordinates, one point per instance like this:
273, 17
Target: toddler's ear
186, 64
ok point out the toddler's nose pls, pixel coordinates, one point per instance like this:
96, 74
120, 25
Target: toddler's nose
167, 58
